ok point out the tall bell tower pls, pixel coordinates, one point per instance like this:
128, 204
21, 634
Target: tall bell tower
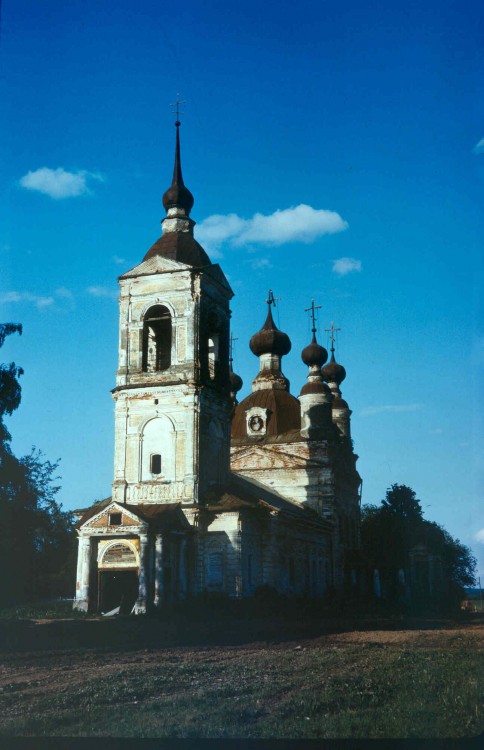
172, 395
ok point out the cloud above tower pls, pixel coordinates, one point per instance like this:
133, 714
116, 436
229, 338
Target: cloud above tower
60, 183
300, 223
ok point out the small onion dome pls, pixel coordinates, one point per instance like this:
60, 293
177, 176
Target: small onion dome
314, 387
177, 195
236, 381
314, 354
270, 340
333, 372
339, 403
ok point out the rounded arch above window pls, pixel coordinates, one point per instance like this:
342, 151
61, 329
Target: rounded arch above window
157, 339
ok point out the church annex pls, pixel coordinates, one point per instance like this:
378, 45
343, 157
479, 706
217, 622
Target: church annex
210, 494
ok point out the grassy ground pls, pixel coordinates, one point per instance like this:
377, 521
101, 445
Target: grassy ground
242, 678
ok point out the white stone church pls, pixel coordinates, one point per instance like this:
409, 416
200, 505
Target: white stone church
210, 494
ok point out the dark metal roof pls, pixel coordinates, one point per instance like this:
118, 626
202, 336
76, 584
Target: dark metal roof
333, 372
314, 387
314, 354
270, 340
179, 246
284, 412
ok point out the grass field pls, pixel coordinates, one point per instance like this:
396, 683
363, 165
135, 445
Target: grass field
242, 678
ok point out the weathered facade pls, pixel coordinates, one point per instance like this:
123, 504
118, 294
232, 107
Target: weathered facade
208, 494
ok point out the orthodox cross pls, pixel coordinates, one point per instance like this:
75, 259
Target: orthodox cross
176, 108
313, 309
271, 300
331, 335
231, 347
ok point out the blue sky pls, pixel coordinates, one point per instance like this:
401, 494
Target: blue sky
334, 151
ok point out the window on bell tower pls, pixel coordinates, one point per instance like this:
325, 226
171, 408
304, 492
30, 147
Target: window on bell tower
157, 334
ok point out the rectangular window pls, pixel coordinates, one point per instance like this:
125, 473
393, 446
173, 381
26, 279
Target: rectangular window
156, 463
115, 519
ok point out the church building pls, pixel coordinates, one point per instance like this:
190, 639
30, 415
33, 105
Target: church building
212, 495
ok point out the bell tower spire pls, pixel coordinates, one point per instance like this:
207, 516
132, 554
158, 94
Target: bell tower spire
178, 200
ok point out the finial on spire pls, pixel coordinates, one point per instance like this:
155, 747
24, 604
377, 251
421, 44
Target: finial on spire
332, 336
178, 196
271, 300
313, 309
176, 109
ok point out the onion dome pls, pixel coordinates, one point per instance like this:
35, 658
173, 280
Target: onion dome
314, 354
339, 403
270, 340
236, 381
333, 372
177, 195
313, 387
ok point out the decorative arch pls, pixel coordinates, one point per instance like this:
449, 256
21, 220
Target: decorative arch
157, 339
119, 553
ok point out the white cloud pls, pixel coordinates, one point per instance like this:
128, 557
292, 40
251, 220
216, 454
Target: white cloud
63, 292
34, 299
369, 411
479, 537
479, 147
296, 224
101, 291
437, 431
343, 266
58, 183
118, 260
259, 263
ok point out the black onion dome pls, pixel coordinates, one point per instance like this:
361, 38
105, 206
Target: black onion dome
333, 372
340, 403
270, 340
177, 195
314, 354
314, 387
236, 381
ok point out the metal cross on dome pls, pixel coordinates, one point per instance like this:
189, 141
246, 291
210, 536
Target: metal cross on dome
271, 300
176, 108
313, 309
331, 335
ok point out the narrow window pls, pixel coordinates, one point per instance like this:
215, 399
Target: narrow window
115, 519
156, 463
157, 336
212, 355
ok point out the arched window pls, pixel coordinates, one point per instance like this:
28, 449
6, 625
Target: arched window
157, 339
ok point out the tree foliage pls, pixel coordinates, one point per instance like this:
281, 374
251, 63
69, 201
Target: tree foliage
394, 534
35, 533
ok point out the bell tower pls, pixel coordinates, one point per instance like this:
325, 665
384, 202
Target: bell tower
172, 395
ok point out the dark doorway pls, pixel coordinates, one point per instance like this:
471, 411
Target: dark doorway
118, 588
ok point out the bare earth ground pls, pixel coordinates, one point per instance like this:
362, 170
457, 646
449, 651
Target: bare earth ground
256, 679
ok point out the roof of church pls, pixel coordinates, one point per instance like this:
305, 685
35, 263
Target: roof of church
243, 493
284, 412
165, 516
181, 247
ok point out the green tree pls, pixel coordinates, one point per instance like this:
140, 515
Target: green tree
35, 533
396, 539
